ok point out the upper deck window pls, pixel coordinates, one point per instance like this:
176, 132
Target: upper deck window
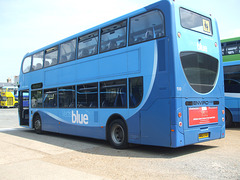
51, 56
195, 22
26, 67
233, 48
114, 36
88, 45
67, 51
223, 50
146, 27
37, 61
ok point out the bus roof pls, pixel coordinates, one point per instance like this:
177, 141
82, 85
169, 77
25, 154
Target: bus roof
110, 22
95, 28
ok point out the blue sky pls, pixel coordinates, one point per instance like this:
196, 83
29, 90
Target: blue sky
26, 25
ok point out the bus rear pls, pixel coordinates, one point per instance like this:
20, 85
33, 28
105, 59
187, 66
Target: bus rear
198, 97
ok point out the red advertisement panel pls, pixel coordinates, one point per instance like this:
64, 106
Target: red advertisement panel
203, 115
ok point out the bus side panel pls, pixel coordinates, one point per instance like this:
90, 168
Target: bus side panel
84, 131
134, 134
233, 105
155, 124
126, 62
53, 123
155, 114
49, 123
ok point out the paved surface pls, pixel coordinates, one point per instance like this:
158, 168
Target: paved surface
26, 155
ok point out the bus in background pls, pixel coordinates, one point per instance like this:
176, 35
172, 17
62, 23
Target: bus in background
231, 49
153, 77
231, 66
9, 96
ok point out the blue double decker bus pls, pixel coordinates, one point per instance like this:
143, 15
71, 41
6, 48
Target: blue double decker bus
231, 67
153, 77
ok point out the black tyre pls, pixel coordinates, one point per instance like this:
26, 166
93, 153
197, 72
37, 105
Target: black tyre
228, 118
37, 124
117, 134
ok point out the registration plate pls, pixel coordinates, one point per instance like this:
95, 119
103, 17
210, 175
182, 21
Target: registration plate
203, 135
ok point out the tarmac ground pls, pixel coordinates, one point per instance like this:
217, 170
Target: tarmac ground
27, 155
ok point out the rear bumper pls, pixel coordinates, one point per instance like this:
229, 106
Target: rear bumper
191, 136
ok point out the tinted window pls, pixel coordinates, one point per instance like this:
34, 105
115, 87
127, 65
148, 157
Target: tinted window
135, 91
26, 67
232, 79
88, 45
25, 100
232, 48
200, 69
113, 37
50, 98
67, 51
37, 61
195, 22
37, 86
67, 97
146, 27
231, 86
223, 50
36, 97
113, 94
238, 47
51, 57
87, 95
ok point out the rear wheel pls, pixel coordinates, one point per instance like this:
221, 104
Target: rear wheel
228, 118
38, 124
117, 134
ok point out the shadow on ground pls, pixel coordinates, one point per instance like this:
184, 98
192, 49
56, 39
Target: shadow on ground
100, 147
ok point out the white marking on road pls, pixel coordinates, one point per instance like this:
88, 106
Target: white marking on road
8, 129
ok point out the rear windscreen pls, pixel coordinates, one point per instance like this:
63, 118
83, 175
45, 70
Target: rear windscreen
200, 69
195, 22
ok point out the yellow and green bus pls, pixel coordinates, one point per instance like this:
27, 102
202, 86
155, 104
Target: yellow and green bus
9, 96
231, 49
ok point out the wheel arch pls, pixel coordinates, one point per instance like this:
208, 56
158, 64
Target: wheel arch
228, 122
227, 109
112, 118
34, 116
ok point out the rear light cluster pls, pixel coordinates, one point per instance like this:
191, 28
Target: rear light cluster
223, 112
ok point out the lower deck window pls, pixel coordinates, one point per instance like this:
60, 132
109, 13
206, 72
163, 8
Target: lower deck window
113, 94
67, 97
36, 97
232, 78
87, 95
50, 98
135, 91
